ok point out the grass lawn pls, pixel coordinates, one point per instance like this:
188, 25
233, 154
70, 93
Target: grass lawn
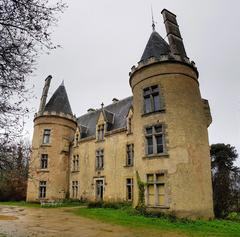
127, 217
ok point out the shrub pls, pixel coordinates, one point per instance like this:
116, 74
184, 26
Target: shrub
98, 204
233, 216
113, 205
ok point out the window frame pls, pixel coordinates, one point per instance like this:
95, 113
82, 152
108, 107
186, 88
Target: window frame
99, 161
46, 136
129, 186
42, 189
100, 132
75, 163
130, 154
156, 184
44, 161
154, 135
149, 94
75, 189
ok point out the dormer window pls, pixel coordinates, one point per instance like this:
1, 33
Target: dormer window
100, 132
46, 136
151, 99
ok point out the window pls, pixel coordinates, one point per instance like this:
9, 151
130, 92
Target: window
129, 125
75, 166
77, 138
74, 189
99, 159
100, 132
129, 189
44, 161
130, 155
46, 136
42, 189
151, 99
156, 190
154, 139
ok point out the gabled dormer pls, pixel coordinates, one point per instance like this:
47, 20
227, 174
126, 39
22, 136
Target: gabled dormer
104, 123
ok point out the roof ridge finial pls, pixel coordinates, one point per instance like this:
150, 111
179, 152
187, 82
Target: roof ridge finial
62, 84
153, 22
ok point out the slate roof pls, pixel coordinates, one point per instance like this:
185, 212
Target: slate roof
119, 110
155, 47
59, 102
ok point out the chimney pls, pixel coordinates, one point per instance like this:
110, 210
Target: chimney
91, 110
115, 100
173, 33
44, 94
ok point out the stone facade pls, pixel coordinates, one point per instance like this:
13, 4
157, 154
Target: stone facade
160, 133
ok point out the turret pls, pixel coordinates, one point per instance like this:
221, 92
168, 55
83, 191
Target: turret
54, 128
170, 127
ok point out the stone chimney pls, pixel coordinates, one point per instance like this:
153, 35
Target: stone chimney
44, 94
115, 100
90, 110
173, 33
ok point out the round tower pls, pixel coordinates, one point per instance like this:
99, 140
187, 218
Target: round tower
54, 128
170, 128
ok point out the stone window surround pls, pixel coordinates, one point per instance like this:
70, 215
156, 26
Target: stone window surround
44, 161
130, 186
155, 183
75, 189
99, 160
75, 163
129, 152
46, 136
161, 98
42, 189
100, 132
154, 155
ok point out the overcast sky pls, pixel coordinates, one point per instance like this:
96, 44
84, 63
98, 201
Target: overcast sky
102, 40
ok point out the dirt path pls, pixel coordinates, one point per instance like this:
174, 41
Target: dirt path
43, 222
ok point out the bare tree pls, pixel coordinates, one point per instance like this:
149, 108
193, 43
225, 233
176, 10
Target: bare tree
14, 171
25, 30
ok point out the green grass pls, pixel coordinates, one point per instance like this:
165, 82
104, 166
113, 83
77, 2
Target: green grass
129, 218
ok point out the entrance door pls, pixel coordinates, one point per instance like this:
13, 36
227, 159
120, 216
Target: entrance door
99, 189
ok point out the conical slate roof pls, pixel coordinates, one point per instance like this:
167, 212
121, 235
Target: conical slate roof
59, 102
155, 47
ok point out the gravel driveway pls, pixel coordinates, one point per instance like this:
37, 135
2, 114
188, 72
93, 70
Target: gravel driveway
52, 222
